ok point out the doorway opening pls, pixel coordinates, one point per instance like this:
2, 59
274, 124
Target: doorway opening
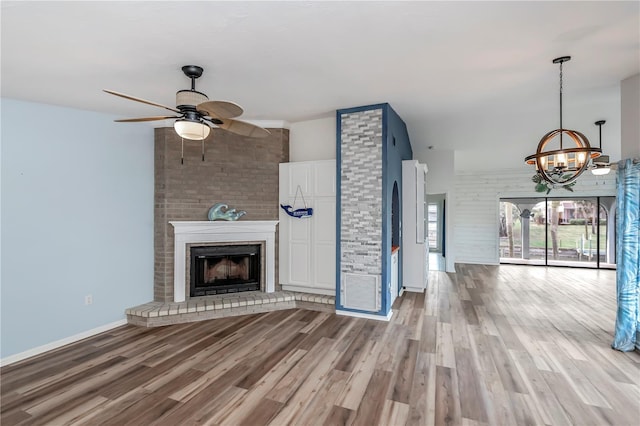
436, 234
395, 242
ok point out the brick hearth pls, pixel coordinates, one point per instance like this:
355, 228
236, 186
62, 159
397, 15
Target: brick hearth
156, 314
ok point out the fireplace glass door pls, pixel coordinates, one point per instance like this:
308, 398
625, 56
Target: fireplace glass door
225, 269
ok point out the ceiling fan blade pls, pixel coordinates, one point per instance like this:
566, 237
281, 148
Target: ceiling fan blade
242, 128
135, 120
122, 95
220, 109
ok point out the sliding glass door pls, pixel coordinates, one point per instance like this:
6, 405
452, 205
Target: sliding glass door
558, 231
522, 230
572, 232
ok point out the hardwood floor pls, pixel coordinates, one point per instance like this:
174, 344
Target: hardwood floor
504, 345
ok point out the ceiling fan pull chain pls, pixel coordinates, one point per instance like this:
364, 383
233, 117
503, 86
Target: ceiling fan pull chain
182, 152
202, 130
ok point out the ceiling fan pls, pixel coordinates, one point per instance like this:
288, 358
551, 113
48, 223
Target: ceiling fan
601, 165
196, 114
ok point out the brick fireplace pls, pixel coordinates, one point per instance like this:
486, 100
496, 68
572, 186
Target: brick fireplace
241, 172
189, 235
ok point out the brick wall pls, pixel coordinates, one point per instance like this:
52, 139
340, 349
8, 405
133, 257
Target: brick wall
241, 172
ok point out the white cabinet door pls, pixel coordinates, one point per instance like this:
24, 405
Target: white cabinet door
325, 179
324, 243
299, 175
300, 250
308, 245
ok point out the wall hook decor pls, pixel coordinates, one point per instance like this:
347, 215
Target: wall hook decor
299, 213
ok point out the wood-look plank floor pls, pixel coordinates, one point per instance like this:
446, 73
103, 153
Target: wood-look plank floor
508, 345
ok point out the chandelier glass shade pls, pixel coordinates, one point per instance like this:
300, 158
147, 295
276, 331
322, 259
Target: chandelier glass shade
556, 163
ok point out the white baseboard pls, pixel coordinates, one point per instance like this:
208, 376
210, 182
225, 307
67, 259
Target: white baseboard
59, 343
367, 316
414, 289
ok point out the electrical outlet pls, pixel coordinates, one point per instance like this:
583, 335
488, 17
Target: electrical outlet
88, 299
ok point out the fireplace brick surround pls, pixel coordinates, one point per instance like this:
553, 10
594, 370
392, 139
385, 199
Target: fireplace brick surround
241, 172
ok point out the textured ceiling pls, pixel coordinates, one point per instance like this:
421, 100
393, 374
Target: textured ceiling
293, 61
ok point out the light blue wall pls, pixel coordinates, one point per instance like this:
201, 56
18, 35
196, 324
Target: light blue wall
392, 157
77, 219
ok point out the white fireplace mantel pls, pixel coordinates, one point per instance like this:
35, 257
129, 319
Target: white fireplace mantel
220, 232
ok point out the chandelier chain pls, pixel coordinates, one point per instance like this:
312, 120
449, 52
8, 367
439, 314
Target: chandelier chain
561, 105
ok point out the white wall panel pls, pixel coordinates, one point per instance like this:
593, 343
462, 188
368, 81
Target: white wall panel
476, 207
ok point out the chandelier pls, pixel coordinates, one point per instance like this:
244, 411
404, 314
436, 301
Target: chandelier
562, 165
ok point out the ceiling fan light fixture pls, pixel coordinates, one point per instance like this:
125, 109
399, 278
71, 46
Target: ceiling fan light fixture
601, 166
191, 129
601, 170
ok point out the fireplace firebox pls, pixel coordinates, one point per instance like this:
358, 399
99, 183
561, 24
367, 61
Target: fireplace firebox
225, 269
